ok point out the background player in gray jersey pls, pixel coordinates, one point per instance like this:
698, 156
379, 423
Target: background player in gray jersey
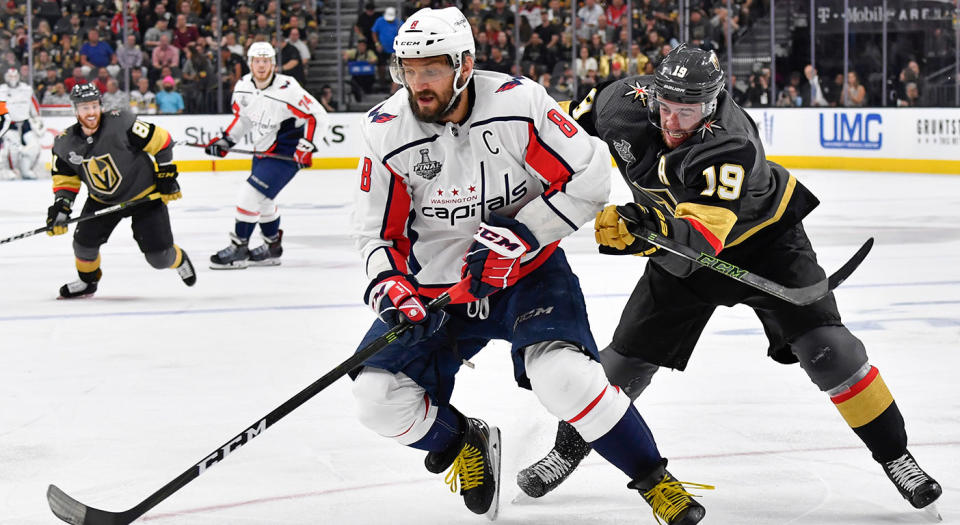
694, 162
113, 155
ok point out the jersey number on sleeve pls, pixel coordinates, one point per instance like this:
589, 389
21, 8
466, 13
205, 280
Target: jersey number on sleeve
365, 174
731, 181
566, 127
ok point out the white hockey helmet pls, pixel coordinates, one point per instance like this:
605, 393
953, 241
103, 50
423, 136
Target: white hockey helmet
431, 33
261, 49
12, 77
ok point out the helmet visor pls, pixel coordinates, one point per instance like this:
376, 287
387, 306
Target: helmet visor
418, 75
677, 117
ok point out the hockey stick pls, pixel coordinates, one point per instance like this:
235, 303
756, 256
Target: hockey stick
81, 218
246, 151
798, 296
72, 511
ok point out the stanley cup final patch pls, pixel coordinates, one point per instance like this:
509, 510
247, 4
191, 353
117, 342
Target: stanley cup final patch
427, 168
623, 149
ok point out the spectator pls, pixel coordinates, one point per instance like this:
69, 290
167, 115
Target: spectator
117, 23
129, 55
68, 26
758, 92
113, 99
384, 31
142, 100
810, 91
610, 58
326, 99
95, 53
264, 26
588, 16
184, 34
103, 76
912, 96
233, 69
151, 39
615, 13
191, 16
293, 38
361, 64
165, 55
77, 78
42, 63
497, 62
103, 28
56, 96
291, 63
150, 18
363, 28
501, 14
585, 63
230, 42
197, 78
788, 97
48, 10
700, 31
548, 31
833, 92
854, 94
535, 51
168, 100
637, 62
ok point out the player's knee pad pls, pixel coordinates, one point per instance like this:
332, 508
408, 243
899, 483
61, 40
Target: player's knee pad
574, 388
162, 259
631, 374
830, 355
86, 253
393, 405
249, 203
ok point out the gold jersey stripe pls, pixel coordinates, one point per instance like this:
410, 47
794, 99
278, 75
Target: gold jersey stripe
159, 139
866, 405
714, 218
66, 181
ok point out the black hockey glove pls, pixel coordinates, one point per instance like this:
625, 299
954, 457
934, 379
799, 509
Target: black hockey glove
167, 183
219, 146
58, 215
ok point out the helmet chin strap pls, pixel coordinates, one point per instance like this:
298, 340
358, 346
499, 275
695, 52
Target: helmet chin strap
456, 90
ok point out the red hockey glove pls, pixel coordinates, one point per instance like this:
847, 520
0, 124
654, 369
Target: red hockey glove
493, 260
304, 153
393, 296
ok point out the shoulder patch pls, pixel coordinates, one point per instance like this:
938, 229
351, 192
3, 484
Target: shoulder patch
510, 84
377, 117
638, 92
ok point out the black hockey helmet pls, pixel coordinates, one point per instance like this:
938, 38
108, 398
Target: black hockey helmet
687, 75
84, 93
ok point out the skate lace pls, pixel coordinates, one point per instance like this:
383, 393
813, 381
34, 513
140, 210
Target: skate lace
185, 270
467, 469
669, 498
552, 467
77, 286
906, 473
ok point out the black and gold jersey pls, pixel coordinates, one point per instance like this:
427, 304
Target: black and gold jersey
115, 162
717, 188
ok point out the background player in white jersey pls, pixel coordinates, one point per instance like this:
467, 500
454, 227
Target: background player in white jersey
283, 118
478, 175
20, 149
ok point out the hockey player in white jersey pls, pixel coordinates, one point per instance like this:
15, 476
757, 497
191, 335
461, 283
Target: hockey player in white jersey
478, 175
20, 148
283, 118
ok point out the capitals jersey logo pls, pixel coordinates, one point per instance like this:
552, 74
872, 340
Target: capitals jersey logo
510, 84
380, 118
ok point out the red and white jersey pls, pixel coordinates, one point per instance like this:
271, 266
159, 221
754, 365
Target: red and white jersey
21, 104
423, 189
276, 116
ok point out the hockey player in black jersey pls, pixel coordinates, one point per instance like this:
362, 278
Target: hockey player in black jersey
111, 153
698, 173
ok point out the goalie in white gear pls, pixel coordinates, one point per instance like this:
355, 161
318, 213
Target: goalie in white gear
20, 147
284, 119
479, 175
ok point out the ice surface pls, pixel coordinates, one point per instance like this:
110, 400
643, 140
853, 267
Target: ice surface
111, 397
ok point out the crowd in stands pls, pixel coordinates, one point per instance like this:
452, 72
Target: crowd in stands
167, 61
606, 49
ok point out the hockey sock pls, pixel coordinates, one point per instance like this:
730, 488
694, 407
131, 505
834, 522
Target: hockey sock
446, 431
869, 409
178, 259
629, 445
270, 229
244, 230
89, 271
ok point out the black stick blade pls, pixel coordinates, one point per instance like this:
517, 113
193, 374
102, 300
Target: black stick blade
841, 275
76, 513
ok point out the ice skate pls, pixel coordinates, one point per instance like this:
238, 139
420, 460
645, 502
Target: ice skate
186, 270
268, 253
548, 473
233, 257
914, 484
77, 289
475, 467
669, 498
